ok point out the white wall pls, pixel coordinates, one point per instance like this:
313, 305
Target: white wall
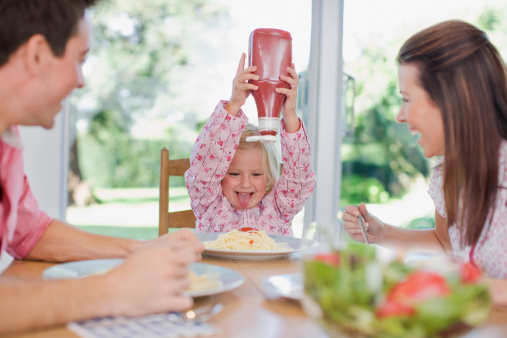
46, 154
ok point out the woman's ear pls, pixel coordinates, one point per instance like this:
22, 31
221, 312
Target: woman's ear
37, 53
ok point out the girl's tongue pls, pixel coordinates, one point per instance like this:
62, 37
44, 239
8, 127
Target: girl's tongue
244, 198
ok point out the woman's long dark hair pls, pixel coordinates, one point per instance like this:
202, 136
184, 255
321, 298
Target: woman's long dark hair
465, 76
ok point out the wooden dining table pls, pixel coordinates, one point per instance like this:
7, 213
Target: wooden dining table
248, 311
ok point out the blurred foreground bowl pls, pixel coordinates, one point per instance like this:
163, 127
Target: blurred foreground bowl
356, 292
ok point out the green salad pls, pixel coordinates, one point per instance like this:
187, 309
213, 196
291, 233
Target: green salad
358, 296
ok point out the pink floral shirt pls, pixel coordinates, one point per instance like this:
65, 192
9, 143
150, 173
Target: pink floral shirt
490, 252
211, 156
21, 221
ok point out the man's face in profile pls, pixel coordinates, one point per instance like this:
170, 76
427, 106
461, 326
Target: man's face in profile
60, 75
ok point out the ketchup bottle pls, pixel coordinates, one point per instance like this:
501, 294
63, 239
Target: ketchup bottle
271, 51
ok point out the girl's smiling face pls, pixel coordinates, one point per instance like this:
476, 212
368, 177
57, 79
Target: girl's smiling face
246, 181
420, 113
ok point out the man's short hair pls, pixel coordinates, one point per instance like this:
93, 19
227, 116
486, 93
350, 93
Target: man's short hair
56, 20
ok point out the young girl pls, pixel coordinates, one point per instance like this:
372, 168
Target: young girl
235, 184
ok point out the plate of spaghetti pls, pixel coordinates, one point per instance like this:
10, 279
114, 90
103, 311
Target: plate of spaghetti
251, 244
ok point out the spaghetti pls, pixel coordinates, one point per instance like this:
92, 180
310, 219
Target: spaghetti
206, 281
256, 240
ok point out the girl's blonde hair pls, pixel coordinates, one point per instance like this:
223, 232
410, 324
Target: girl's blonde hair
270, 159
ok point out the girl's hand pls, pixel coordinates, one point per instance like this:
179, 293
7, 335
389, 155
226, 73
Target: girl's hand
240, 87
374, 227
290, 118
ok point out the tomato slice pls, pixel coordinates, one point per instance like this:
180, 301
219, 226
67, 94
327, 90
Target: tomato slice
394, 309
419, 287
332, 259
245, 229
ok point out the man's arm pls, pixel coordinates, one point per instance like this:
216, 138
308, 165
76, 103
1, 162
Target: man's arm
62, 242
27, 305
149, 281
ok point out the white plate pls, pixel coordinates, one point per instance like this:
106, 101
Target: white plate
295, 244
289, 285
229, 279
80, 269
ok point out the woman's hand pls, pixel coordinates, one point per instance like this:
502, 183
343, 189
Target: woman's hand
374, 227
498, 292
290, 118
240, 87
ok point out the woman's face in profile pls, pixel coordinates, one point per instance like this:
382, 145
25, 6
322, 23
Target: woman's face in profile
420, 113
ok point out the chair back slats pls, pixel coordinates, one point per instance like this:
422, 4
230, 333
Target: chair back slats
182, 219
178, 167
175, 219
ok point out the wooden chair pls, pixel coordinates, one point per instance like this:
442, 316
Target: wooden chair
175, 219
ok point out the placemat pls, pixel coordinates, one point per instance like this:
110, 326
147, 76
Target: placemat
160, 325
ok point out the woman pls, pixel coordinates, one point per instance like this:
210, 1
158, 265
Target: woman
454, 88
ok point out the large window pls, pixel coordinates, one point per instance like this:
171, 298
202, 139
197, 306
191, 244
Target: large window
158, 68
382, 163
155, 72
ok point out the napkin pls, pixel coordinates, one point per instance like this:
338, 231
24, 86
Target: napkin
160, 325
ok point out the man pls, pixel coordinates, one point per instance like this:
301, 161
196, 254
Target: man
43, 44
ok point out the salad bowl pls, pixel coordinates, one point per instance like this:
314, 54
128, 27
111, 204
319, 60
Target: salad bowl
353, 293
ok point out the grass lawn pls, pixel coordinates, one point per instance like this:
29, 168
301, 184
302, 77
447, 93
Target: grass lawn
131, 213
122, 231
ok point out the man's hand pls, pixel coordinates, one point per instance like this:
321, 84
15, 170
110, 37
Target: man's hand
152, 280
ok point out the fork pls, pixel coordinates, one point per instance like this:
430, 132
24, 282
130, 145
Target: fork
197, 314
360, 219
